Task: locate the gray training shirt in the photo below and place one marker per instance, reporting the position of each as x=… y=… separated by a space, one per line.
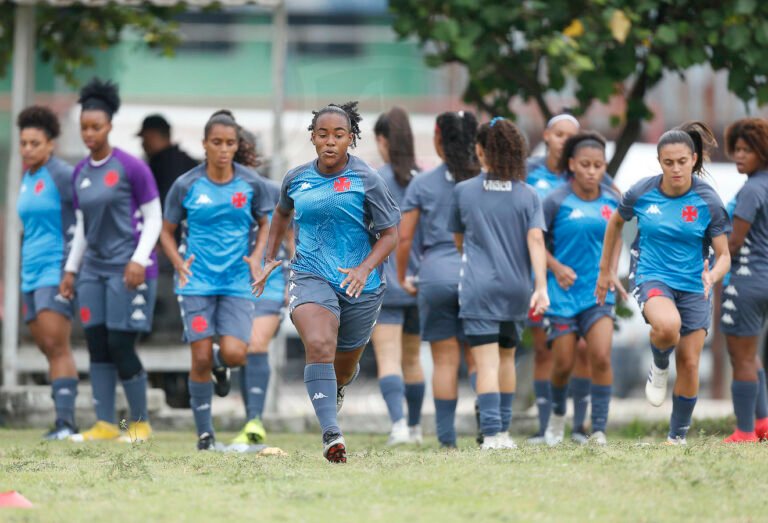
x=752 y=207
x=495 y=217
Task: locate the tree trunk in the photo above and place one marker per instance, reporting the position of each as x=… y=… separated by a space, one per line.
x=632 y=128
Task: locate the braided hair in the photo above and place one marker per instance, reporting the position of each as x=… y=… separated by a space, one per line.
x=39 y=117
x=349 y=111
x=98 y=95
x=458 y=132
x=697 y=136
x=505 y=149
x=395 y=127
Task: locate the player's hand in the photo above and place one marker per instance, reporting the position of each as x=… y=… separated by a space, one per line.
x=134 y=274
x=618 y=287
x=183 y=271
x=408 y=286
x=565 y=276
x=260 y=280
x=355 y=280
x=254 y=266
x=707 y=279
x=539 y=301
x=605 y=282
x=67 y=286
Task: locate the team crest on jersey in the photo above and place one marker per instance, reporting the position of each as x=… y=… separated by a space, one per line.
x=111 y=178
x=690 y=213
x=606 y=212
x=238 y=200
x=497 y=185
x=39 y=186
x=342 y=184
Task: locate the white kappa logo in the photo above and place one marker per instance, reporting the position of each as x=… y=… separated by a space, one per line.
x=203 y=199
x=653 y=209
x=576 y=214
x=85 y=183
x=304 y=186
x=727 y=319
x=318 y=396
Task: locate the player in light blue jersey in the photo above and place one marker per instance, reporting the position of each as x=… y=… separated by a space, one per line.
x=679 y=217
x=218 y=204
x=48 y=218
x=346 y=226
x=744 y=306
x=425 y=207
x=497 y=223
x=576 y=215
x=118 y=221
x=396 y=338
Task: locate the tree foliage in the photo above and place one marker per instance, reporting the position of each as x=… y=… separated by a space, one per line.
x=602 y=48
x=69 y=37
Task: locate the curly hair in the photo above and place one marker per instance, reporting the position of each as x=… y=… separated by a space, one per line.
x=505 y=149
x=39 y=117
x=100 y=96
x=395 y=127
x=349 y=110
x=697 y=136
x=247 y=151
x=754 y=131
x=576 y=142
x=458 y=133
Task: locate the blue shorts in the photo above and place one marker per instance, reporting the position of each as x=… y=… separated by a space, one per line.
x=695 y=310
x=744 y=307
x=580 y=324
x=481 y=332
x=45 y=298
x=356 y=316
x=536 y=322
x=262 y=307
x=208 y=316
x=439 y=311
x=105 y=300
x=407 y=316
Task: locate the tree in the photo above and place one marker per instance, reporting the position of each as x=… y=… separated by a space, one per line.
x=605 y=47
x=67 y=37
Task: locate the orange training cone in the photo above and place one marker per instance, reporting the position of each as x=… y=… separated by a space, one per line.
x=13 y=499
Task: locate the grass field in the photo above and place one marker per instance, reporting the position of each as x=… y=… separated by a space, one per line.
x=166 y=480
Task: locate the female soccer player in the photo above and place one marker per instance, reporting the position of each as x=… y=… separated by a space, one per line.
x=745 y=298
x=498 y=225
x=47 y=216
x=576 y=215
x=118 y=222
x=396 y=339
x=426 y=206
x=544 y=175
x=218 y=202
x=679 y=216
x=346 y=226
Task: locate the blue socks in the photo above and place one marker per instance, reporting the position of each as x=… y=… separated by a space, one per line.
x=682 y=413
x=414 y=397
x=761 y=408
x=64 y=393
x=543 y=391
x=507 y=398
x=601 y=399
x=661 y=357
x=559 y=397
x=490 y=416
x=136 y=393
x=393 y=391
x=103 y=383
x=445 y=419
x=201 y=397
x=256 y=380
x=320 y=381
x=744 y=395
x=579 y=388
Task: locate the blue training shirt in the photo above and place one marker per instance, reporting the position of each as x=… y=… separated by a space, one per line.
x=674 y=233
x=337 y=218
x=47 y=215
x=575 y=231
x=541 y=178
x=217 y=227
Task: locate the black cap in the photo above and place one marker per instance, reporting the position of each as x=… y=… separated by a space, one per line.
x=155 y=122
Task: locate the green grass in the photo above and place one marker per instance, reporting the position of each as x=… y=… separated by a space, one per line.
x=166 y=480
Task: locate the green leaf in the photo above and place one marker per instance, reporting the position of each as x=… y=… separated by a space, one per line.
x=745 y=7
x=762 y=94
x=464 y=49
x=666 y=35
x=736 y=38
x=446 y=30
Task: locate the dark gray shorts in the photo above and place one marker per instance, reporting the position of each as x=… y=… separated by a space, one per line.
x=208 y=316
x=45 y=298
x=105 y=300
x=580 y=324
x=408 y=317
x=356 y=316
x=439 y=311
x=744 y=307
x=481 y=332
x=262 y=307
x=695 y=310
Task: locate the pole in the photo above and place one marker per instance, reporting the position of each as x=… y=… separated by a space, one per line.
x=279 y=39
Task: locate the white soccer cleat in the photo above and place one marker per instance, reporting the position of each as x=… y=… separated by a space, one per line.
x=400 y=435
x=505 y=441
x=598 y=438
x=415 y=435
x=555 y=430
x=675 y=441
x=579 y=438
x=656 y=386
x=492 y=442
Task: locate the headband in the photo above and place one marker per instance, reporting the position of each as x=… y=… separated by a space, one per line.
x=561 y=117
x=495 y=120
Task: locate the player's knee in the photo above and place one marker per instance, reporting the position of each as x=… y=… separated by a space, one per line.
x=687 y=364
x=601 y=363
x=202 y=362
x=319 y=348
x=667 y=333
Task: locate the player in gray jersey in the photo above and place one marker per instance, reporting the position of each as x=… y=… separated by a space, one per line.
x=498 y=225
x=425 y=206
x=744 y=305
x=396 y=338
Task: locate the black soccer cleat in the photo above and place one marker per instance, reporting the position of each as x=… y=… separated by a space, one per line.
x=206 y=441
x=221 y=381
